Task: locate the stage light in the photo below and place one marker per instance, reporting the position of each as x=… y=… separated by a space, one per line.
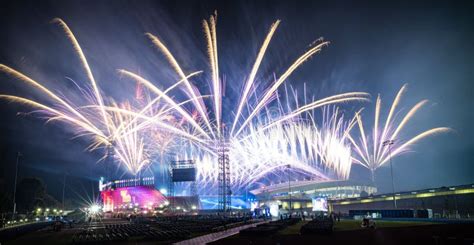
x=38 y=210
x=193 y=207
x=94 y=208
x=164 y=191
x=37 y=219
x=47 y=210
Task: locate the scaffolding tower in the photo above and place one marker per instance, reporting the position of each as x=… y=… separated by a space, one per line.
x=224 y=175
x=109 y=162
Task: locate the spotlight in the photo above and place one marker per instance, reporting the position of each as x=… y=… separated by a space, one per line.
x=94 y=208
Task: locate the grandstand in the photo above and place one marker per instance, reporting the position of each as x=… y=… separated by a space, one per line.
x=314 y=188
x=445 y=202
x=303 y=193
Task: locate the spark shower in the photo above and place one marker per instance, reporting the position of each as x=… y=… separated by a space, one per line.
x=267 y=132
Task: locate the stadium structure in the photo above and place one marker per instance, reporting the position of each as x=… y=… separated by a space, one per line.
x=307 y=195
x=314 y=188
x=452 y=202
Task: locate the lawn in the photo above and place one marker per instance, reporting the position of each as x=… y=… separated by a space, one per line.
x=345 y=225
x=292 y=229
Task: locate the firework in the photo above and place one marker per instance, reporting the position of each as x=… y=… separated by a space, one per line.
x=318 y=152
x=370 y=150
x=269 y=136
x=114 y=126
x=261 y=143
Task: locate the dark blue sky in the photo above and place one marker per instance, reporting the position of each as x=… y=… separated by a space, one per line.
x=375 y=47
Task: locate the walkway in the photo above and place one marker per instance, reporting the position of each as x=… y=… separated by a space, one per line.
x=218 y=235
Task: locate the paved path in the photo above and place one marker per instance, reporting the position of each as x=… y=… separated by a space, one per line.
x=218 y=235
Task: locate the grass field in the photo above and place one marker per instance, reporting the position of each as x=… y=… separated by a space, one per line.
x=349 y=231
x=292 y=229
x=346 y=225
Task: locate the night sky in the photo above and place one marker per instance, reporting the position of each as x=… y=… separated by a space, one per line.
x=375 y=47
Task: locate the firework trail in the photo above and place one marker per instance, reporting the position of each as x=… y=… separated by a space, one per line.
x=370 y=150
x=162 y=124
x=313 y=151
x=252 y=131
x=117 y=127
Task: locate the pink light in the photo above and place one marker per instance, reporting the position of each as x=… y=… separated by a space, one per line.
x=139 y=195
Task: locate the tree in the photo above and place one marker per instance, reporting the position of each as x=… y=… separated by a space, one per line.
x=31 y=194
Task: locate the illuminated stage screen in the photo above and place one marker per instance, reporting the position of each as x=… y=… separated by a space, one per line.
x=320 y=204
x=212 y=202
x=184 y=174
x=128 y=197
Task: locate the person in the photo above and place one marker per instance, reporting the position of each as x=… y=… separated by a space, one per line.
x=367 y=222
x=57 y=225
x=339 y=216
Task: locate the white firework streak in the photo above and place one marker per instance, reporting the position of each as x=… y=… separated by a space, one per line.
x=120 y=128
x=261 y=143
x=322 y=153
x=369 y=149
